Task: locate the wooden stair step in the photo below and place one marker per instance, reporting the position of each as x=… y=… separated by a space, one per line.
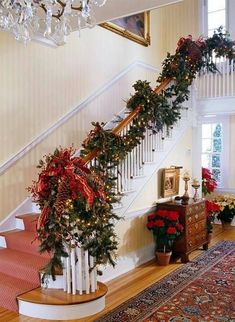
x=8 y=232
x=27 y=221
x=10 y=288
x=31 y=214
x=59 y=297
x=20 y=264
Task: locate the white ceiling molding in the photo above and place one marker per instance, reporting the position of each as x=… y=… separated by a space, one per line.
x=120 y=8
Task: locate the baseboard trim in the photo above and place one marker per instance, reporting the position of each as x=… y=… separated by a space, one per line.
x=127 y=263
x=9 y=222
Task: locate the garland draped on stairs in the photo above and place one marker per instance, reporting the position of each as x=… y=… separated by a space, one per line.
x=155 y=110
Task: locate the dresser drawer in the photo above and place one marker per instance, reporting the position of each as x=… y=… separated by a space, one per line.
x=195 y=227
x=196 y=240
x=194 y=214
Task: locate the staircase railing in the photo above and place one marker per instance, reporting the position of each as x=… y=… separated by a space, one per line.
x=132 y=165
x=221 y=84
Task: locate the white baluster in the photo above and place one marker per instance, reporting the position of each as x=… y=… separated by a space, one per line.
x=228 y=76
x=73 y=267
x=92 y=275
x=65 y=274
x=232 y=74
x=86 y=272
x=216 y=78
x=79 y=270
x=224 y=79
x=68 y=270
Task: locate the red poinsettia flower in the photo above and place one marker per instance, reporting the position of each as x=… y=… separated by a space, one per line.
x=151 y=216
x=162 y=213
x=179 y=227
x=173 y=215
x=150 y=224
x=171 y=230
x=159 y=223
x=211 y=207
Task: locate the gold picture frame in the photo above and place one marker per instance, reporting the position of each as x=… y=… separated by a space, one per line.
x=170 y=182
x=135 y=27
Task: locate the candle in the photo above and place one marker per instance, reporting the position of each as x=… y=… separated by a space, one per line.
x=186 y=175
x=196 y=182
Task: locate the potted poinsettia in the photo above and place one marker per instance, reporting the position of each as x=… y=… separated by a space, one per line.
x=226 y=204
x=165 y=227
x=209 y=184
x=212 y=210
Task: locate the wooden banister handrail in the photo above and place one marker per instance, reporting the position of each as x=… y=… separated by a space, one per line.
x=117 y=130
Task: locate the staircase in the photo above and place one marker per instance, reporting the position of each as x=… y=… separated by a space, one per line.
x=19 y=257
x=20 y=261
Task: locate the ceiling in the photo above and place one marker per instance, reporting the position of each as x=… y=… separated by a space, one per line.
x=119 y=8
x=114 y=9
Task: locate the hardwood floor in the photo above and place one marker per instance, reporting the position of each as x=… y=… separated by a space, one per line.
x=130 y=284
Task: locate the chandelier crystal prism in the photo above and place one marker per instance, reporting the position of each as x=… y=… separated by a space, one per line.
x=54 y=19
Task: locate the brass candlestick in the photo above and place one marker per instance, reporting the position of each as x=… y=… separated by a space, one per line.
x=185 y=197
x=196 y=186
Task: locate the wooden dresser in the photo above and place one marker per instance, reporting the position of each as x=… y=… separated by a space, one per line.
x=193 y=218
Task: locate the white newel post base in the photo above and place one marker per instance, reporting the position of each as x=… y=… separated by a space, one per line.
x=77 y=289
x=61 y=312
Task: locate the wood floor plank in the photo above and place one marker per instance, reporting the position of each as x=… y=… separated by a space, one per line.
x=129 y=284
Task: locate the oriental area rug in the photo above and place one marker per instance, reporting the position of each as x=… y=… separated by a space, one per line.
x=201 y=290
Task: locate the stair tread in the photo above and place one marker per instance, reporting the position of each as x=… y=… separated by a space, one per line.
x=14 y=282
x=23 y=240
x=31 y=260
x=32 y=214
x=8 y=232
x=59 y=297
x=11 y=287
x=29 y=220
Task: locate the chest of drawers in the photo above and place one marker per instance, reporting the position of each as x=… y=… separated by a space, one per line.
x=193 y=218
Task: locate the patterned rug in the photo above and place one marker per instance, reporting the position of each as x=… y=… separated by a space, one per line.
x=201 y=290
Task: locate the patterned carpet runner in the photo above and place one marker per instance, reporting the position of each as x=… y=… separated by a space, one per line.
x=201 y=290
x=20 y=263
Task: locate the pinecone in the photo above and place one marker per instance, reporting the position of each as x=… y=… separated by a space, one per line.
x=62 y=196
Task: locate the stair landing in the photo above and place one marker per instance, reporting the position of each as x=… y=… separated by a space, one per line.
x=53 y=304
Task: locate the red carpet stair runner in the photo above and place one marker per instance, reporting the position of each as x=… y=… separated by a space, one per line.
x=20 y=263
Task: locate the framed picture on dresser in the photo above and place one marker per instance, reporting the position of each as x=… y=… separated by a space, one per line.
x=170 y=182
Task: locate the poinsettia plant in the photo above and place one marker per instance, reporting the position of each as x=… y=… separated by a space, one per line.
x=226 y=204
x=212 y=210
x=166 y=228
x=75 y=207
x=209 y=184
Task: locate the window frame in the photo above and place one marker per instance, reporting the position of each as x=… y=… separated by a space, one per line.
x=203 y=16
x=224 y=120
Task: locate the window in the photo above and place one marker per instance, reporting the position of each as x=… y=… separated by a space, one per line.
x=212 y=148
x=214 y=151
x=215 y=15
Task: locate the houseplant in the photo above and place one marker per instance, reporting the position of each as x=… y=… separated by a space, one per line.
x=166 y=227
x=208 y=182
x=226 y=205
x=212 y=210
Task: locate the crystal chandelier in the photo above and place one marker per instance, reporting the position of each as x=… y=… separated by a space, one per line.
x=55 y=19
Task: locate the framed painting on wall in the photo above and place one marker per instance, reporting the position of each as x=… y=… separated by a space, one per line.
x=170 y=182
x=135 y=27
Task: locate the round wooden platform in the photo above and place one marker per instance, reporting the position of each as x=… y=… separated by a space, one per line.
x=54 y=304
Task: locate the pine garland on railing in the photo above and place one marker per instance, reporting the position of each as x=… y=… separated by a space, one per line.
x=152 y=109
